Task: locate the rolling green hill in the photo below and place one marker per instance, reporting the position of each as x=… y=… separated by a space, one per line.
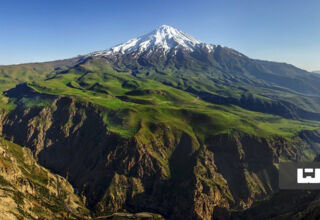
x=135 y=101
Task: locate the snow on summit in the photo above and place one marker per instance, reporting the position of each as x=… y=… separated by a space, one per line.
x=165 y=37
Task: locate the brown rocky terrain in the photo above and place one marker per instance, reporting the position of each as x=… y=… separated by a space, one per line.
x=198 y=181
x=29 y=191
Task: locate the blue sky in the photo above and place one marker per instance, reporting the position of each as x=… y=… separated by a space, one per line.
x=277 y=30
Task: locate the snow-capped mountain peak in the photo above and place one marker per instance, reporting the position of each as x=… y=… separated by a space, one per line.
x=165 y=38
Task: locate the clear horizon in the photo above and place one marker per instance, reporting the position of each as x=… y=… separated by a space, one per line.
x=40 y=31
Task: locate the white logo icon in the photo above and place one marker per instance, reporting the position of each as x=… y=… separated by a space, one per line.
x=312 y=175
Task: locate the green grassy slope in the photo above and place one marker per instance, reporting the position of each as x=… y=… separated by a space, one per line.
x=160 y=94
x=227 y=77
x=12 y=75
x=131 y=103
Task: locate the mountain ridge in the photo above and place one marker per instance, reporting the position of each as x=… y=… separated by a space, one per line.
x=222 y=66
x=164 y=38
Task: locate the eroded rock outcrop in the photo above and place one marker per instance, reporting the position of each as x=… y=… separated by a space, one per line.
x=29 y=191
x=168 y=172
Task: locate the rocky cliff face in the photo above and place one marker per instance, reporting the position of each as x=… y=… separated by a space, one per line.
x=287 y=204
x=168 y=172
x=29 y=191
